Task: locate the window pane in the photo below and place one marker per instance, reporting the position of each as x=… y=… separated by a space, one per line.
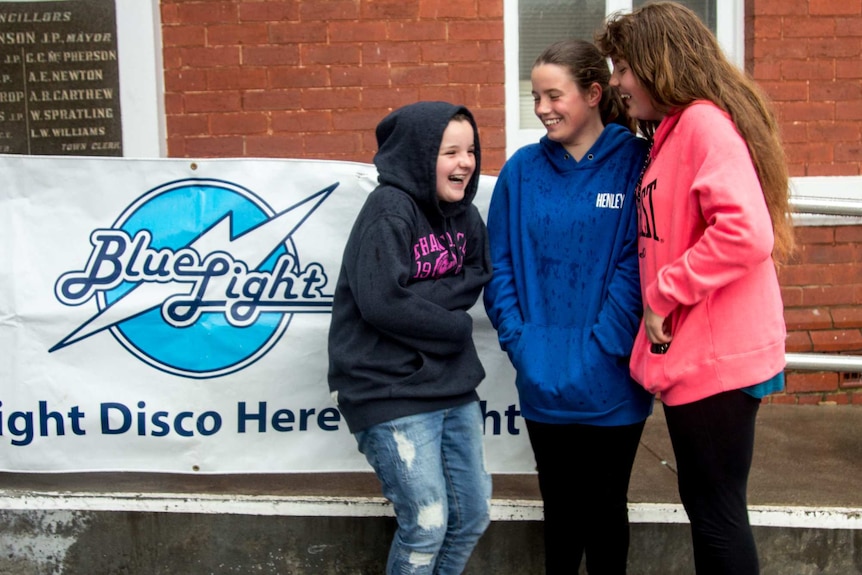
x=703 y=8
x=542 y=22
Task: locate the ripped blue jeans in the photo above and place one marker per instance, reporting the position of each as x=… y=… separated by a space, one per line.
x=431 y=467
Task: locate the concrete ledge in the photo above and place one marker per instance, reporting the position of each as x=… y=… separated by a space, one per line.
x=806 y=462
x=804 y=504
x=323 y=506
x=74 y=542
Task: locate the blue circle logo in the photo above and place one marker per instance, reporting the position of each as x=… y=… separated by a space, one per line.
x=198 y=278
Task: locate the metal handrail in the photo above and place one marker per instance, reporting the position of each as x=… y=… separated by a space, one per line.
x=826 y=206
x=823 y=361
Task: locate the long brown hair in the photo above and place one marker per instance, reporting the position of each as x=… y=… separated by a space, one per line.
x=586 y=65
x=678 y=60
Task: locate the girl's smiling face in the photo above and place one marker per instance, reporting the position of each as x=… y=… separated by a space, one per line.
x=569 y=114
x=639 y=104
x=456 y=161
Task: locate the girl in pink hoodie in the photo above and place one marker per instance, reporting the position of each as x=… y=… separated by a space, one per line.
x=713 y=202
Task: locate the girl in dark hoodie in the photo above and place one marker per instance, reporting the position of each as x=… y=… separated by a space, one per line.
x=403 y=368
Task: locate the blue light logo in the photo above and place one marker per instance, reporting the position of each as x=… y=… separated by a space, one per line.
x=198 y=277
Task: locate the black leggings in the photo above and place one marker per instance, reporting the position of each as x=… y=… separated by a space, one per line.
x=584 y=475
x=713 y=442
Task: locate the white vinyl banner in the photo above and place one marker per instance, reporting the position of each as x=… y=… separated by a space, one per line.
x=171 y=316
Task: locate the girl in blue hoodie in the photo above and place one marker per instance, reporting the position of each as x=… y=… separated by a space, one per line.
x=565 y=300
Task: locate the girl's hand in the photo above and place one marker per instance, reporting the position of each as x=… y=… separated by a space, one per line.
x=656 y=330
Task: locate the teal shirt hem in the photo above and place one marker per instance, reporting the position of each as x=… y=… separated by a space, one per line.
x=771 y=385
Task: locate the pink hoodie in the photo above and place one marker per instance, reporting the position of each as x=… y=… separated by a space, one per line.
x=705 y=245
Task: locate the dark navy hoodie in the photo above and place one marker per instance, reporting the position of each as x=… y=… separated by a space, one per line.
x=401 y=340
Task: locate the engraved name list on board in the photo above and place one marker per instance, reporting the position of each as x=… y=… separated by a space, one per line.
x=59 y=79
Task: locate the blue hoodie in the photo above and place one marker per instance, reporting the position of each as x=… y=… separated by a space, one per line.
x=400 y=339
x=565 y=295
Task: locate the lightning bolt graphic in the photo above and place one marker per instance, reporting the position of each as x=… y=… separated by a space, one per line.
x=253 y=246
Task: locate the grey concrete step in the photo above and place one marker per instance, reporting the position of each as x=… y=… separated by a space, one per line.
x=804 y=493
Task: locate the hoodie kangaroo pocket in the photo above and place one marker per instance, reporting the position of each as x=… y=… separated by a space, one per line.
x=647 y=368
x=547 y=360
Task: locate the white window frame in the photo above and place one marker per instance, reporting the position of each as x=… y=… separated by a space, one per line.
x=730 y=25
x=142 y=94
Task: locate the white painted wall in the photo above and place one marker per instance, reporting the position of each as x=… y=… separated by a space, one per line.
x=139 y=42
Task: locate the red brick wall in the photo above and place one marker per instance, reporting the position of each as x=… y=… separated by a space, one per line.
x=822 y=290
x=293 y=79
x=311 y=79
x=807 y=55
x=285 y=78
